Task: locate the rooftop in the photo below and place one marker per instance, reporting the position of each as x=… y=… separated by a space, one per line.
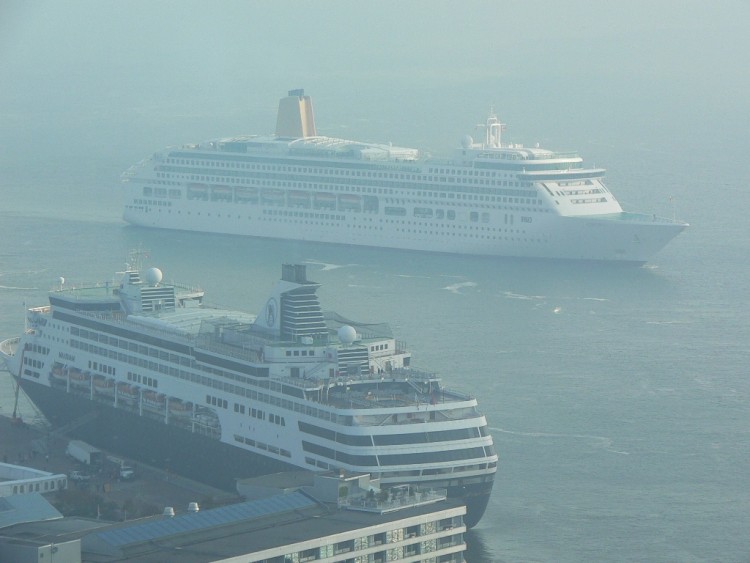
x=228 y=531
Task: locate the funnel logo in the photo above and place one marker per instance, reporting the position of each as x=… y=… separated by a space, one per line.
x=271 y=312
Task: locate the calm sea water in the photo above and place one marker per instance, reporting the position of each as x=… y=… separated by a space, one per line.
x=617 y=397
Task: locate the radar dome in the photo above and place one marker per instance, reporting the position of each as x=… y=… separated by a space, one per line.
x=153 y=276
x=347 y=334
x=467 y=141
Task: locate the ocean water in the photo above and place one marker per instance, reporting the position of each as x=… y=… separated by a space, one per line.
x=618 y=397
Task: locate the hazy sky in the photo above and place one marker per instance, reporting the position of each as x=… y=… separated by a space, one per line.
x=98 y=70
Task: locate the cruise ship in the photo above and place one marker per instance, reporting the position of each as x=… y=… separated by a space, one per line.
x=147 y=369
x=491 y=198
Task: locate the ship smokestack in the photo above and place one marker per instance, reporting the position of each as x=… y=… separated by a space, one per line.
x=295 y=118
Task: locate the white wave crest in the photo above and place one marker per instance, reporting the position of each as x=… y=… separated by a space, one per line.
x=602 y=442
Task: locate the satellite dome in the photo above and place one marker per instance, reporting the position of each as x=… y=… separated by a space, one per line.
x=347 y=334
x=153 y=276
x=467 y=141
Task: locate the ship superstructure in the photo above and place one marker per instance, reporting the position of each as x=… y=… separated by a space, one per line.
x=145 y=367
x=490 y=198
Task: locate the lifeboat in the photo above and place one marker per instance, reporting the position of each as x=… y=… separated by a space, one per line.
x=79 y=378
x=325 y=200
x=206 y=417
x=349 y=202
x=59 y=374
x=154 y=401
x=247 y=195
x=197 y=191
x=221 y=193
x=273 y=197
x=300 y=199
x=179 y=408
x=127 y=393
x=104 y=386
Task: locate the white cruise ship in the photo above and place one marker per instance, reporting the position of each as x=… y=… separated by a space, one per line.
x=145 y=369
x=491 y=198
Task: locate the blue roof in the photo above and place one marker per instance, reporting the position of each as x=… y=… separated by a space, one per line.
x=191 y=522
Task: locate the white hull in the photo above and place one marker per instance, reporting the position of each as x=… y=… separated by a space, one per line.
x=635 y=239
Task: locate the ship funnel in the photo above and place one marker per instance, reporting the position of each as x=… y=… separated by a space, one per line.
x=295 y=118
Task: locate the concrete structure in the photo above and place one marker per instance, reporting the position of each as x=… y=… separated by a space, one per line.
x=30 y=508
x=362 y=524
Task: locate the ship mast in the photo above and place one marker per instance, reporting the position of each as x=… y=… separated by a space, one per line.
x=493 y=131
x=136 y=258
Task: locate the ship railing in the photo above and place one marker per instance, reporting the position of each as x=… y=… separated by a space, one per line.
x=402 y=374
x=394 y=498
x=245 y=352
x=643 y=218
x=76 y=290
x=121 y=319
x=186 y=288
x=8 y=347
x=41 y=310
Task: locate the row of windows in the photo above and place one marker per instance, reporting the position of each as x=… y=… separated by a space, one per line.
x=418 y=212
x=589 y=191
x=276 y=419
x=152 y=202
x=37 y=349
x=262 y=446
x=49 y=485
x=245 y=163
x=300 y=352
x=143 y=380
x=102 y=368
x=394 y=439
x=411 y=458
x=129 y=345
x=217 y=402
x=302 y=199
x=393 y=553
x=508 y=219
x=590 y=200
x=388 y=538
x=343 y=457
x=375 y=183
x=32 y=362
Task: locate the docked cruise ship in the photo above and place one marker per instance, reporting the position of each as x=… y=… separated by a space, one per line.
x=491 y=198
x=147 y=369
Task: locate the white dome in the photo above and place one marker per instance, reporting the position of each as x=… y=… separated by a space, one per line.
x=467 y=141
x=153 y=276
x=347 y=334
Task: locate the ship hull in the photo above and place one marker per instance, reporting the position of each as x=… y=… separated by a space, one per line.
x=625 y=238
x=178 y=450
